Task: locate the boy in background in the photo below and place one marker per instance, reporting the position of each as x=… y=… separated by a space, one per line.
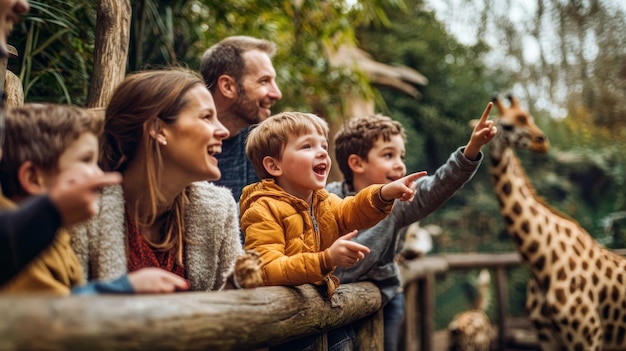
x=27 y=230
x=66 y=138
x=300 y=230
x=371 y=150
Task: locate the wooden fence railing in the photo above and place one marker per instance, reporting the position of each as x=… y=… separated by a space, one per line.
x=239 y=319
x=419 y=286
x=224 y=320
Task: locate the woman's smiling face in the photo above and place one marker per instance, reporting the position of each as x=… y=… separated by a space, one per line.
x=194 y=139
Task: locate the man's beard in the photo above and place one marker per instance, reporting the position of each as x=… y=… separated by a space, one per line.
x=245 y=108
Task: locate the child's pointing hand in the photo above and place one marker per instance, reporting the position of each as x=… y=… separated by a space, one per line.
x=402 y=189
x=346 y=253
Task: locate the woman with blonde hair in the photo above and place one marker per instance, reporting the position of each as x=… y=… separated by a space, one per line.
x=161 y=133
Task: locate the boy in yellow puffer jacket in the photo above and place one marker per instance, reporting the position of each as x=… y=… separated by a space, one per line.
x=301 y=231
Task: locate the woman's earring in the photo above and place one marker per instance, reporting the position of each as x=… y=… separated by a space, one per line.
x=163 y=142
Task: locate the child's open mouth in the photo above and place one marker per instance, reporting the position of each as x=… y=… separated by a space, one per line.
x=320 y=169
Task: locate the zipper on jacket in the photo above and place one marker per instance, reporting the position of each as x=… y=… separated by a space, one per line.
x=315 y=227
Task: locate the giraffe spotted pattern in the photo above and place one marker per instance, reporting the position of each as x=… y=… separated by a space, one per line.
x=576 y=296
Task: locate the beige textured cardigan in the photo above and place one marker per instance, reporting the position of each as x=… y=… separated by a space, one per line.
x=211 y=233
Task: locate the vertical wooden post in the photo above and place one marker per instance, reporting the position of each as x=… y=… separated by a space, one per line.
x=4 y=62
x=503 y=298
x=427 y=308
x=111 y=50
x=411 y=319
x=3 y=71
x=369 y=333
x=321 y=342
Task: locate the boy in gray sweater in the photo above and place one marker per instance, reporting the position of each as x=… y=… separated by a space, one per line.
x=371 y=150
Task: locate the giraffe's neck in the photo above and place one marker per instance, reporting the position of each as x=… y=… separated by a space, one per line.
x=542 y=235
x=483 y=299
x=529 y=222
x=515 y=194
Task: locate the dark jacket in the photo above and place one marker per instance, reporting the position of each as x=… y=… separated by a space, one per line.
x=24 y=233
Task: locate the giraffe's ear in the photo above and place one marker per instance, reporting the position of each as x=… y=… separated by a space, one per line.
x=472 y=123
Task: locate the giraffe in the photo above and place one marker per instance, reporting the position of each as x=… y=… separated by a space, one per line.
x=471 y=330
x=576 y=295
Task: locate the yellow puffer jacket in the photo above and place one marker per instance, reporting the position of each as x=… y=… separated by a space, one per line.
x=56 y=271
x=280 y=227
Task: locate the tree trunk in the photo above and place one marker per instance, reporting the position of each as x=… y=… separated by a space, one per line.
x=111 y=51
x=13 y=90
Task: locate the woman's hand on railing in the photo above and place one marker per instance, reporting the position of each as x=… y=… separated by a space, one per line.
x=154 y=280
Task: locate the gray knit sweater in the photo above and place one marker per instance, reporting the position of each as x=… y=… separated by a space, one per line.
x=387 y=237
x=211 y=233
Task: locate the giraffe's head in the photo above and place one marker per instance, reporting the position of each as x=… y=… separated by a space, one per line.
x=517 y=128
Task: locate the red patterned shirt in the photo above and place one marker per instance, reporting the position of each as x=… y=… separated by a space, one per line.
x=142 y=255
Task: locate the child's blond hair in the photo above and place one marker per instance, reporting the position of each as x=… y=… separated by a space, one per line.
x=40 y=133
x=270 y=137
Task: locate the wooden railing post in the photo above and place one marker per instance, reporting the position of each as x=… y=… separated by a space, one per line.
x=502 y=300
x=411 y=321
x=426 y=287
x=369 y=333
x=4 y=62
x=419 y=280
x=320 y=343
x=419 y=277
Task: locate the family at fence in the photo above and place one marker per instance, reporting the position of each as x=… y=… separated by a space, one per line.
x=189 y=182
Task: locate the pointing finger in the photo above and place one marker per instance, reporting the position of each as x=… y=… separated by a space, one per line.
x=413 y=177
x=356 y=247
x=485 y=115
x=350 y=235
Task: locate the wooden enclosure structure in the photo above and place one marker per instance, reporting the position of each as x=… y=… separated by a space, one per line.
x=224 y=320
x=419 y=285
x=12 y=85
x=240 y=319
x=419 y=278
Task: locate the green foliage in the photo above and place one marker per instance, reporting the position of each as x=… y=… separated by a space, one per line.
x=55 y=42
x=303 y=30
x=587 y=168
x=459 y=83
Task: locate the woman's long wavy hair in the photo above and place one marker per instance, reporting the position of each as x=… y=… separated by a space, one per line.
x=137 y=104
